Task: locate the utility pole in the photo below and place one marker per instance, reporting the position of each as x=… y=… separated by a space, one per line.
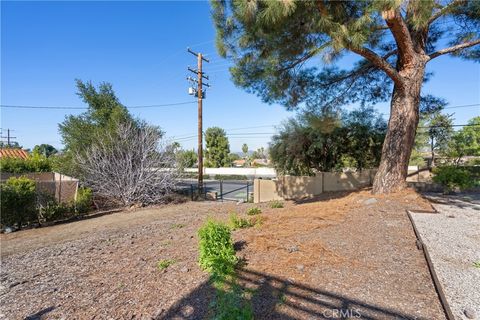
x=200 y=96
x=8 y=137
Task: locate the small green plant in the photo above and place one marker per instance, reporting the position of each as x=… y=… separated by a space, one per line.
x=177 y=226
x=167 y=243
x=476 y=264
x=275 y=204
x=83 y=204
x=282 y=298
x=253 y=211
x=451 y=177
x=231 y=303
x=164 y=264
x=237 y=222
x=217 y=255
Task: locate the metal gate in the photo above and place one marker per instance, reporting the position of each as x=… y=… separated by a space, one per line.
x=234 y=190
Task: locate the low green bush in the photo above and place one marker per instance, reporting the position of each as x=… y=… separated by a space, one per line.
x=253 y=211
x=22 y=204
x=84 y=201
x=452 y=177
x=48 y=209
x=18 y=202
x=237 y=222
x=276 y=204
x=217 y=255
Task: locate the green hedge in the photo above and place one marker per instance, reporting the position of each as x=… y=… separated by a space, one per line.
x=22 y=204
x=453 y=177
x=35 y=163
x=18 y=200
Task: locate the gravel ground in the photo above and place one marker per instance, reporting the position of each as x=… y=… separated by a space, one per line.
x=452 y=238
x=335 y=257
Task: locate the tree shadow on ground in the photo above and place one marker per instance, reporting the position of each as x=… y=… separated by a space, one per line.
x=461 y=200
x=39 y=315
x=272 y=297
x=330 y=195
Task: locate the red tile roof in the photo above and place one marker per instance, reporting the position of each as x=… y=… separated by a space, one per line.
x=13 y=153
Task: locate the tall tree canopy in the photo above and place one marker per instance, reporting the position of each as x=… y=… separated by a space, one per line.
x=218 y=148
x=273 y=45
x=310 y=143
x=45 y=149
x=104 y=114
x=465 y=142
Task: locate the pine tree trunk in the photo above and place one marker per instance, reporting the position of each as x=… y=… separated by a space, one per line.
x=399 y=141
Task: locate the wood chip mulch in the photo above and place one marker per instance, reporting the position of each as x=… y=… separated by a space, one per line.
x=340 y=256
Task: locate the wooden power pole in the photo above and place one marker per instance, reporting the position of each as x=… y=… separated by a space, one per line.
x=8 y=138
x=200 y=96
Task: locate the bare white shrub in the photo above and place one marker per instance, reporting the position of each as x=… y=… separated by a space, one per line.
x=131 y=165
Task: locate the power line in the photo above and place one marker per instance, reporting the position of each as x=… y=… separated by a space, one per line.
x=464 y=106
x=8 y=138
x=453 y=125
x=85 y=108
x=228 y=129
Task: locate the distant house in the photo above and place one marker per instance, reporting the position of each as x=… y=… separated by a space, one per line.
x=260 y=162
x=239 y=163
x=13 y=153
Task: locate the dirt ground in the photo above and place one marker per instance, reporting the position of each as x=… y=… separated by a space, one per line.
x=345 y=255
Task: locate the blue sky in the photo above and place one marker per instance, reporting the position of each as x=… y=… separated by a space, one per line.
x=140 y=47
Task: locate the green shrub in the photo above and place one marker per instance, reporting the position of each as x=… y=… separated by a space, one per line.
x=217 y=255
x=474 y=162
x=53 y=211
x=239 y=223
x=18 y=201
x=451 y=177
x=253 y=211
x=35 y=163
x=276 y=204
x=84 y=200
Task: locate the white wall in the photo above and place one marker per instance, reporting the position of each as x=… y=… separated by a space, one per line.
x=250 y=172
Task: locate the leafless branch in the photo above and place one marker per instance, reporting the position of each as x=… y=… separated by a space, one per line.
x=129 y=166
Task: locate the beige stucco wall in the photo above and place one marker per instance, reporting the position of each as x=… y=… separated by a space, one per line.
x=341 y=181
x=290 y=187
x=62 y=187
x=265 y=190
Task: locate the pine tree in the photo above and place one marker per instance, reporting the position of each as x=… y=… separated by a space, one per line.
x=273 y=45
